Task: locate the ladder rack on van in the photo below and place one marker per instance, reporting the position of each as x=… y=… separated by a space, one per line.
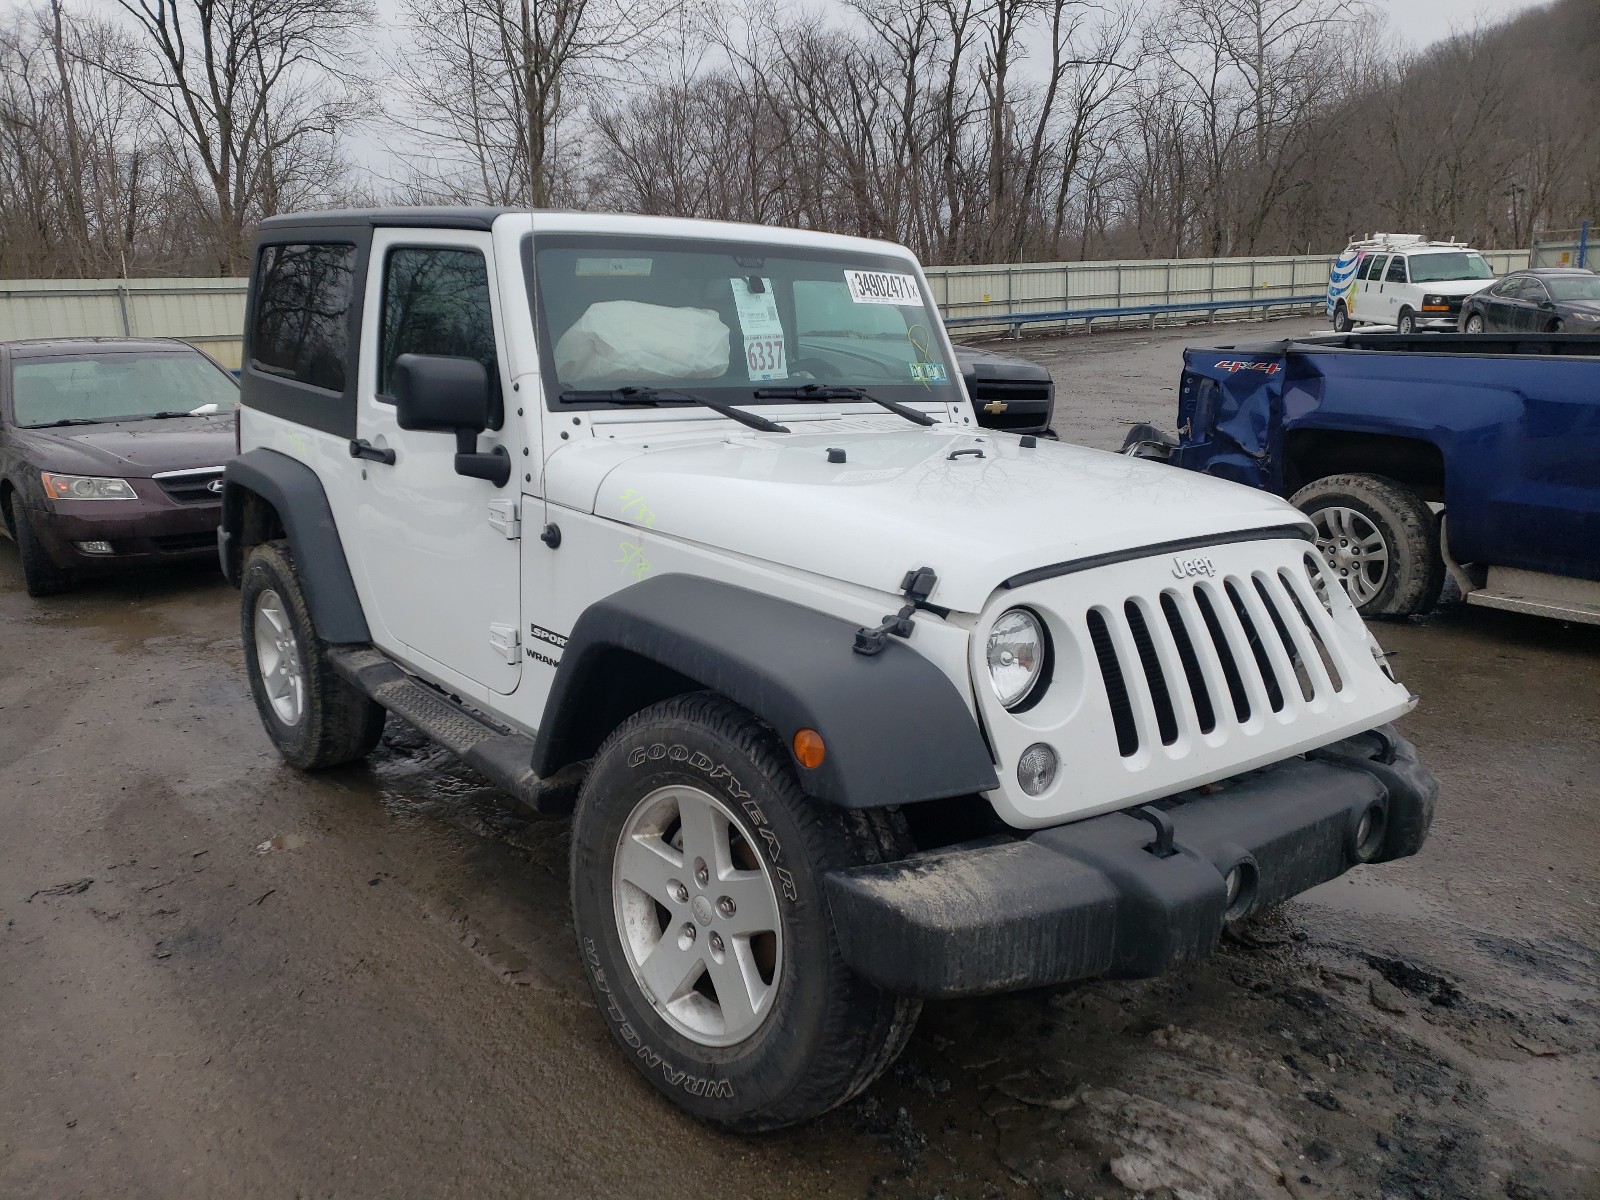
x=1401 y=241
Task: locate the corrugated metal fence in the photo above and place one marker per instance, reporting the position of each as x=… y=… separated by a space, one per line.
x=210 y=312
x=207 y=312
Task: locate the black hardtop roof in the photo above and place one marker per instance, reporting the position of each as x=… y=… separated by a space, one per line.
x=458 y=216
x=63 y=346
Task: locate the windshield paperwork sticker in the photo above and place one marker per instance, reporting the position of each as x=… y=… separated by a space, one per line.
x=590 y=267
x=927 y=372
x=764 y=350
x=880 y=287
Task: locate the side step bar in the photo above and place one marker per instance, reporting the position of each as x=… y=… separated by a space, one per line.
x=505 y=757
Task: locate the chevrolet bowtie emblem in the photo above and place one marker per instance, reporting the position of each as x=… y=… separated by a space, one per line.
x=996 y=407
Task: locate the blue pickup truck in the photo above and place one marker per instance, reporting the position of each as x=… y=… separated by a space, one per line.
x=1416 y=457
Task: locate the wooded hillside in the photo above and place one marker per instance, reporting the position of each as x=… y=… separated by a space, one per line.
x=149 y=136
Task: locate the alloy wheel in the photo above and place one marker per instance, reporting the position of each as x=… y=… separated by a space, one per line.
x=697 y=913
x=278 y=659
x=1355 y=551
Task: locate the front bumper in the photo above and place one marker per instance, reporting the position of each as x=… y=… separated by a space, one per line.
x=140 y=532
x=1092 y=898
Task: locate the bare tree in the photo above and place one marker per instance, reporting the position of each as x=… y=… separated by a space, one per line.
x=488 y=84
x=252 y=96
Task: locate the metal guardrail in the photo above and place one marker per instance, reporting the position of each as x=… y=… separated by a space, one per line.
x=1002 y=297
x=1015 y=321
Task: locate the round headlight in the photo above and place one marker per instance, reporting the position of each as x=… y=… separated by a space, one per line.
x=1016 y=655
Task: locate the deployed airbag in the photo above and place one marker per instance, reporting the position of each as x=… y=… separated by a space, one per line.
x=625 y=340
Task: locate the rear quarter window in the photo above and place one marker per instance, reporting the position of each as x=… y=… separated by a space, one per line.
x=301 y=327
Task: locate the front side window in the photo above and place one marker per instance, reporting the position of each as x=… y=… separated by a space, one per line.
x=726 y=319
x=1447 y=267
x=1575 y=287
x=435 y=301
x=302 y=307
x=118 y=387
x=1397 y=270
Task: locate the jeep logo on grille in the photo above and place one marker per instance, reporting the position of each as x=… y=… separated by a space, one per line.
x=1187 y=568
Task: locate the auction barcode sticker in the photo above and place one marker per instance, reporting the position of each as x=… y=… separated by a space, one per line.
x=880 y=287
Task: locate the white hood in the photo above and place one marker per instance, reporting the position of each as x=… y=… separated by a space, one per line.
x=1454 y=287
x=899 y=501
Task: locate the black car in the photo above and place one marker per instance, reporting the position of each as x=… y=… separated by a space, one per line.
x=1009 y=393
x=1539 y=300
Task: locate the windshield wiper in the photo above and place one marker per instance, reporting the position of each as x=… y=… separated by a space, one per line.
x=66 y=421
x=650 y=395
x=823 y=391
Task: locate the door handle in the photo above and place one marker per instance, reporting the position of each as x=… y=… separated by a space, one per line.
x=361 y=448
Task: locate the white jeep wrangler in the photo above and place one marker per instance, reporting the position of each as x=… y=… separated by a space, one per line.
x=686 y=529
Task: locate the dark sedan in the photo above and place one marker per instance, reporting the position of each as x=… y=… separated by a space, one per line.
x=111 y=454
x=1540 y=300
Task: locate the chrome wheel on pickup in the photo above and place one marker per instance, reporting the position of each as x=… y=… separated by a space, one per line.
x=1355 y=550
x=1380 y=539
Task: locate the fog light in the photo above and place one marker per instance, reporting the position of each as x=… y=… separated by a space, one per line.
x=1369 y=834
x=95 y=547
x=1234 y=882
x=1036 y=769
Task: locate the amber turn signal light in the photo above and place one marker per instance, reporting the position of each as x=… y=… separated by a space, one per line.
x=808 y=748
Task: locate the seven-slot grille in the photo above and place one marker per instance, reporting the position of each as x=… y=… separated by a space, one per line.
x=191 y=487
x=1224 y=651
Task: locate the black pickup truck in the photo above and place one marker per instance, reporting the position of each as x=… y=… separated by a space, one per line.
x=1009 y=393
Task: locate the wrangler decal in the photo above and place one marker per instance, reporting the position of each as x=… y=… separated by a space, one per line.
x=716 y=1089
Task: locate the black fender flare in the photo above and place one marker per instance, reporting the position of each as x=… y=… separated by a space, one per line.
x=293 y=489
x=896 y=729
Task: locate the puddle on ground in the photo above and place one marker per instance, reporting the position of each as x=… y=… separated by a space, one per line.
x=1360 y=892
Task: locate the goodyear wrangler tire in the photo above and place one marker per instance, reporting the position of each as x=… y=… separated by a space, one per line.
x=313 y=716
x=697 y=897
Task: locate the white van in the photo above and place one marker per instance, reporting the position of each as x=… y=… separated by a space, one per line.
x=1404 y=280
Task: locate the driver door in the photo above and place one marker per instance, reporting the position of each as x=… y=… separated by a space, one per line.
x=1394 y=286
x=439 y=550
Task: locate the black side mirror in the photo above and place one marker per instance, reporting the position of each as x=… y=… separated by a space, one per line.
x=431 y=391
x=450 y=395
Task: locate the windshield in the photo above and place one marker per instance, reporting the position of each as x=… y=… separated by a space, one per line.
x=111 y=387
x=724 y=319
x=1441 y=268
x=1573 y=287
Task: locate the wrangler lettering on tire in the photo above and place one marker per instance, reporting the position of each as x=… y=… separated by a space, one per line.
x=718 y=968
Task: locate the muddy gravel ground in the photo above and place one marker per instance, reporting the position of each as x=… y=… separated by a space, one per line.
x=219 y=977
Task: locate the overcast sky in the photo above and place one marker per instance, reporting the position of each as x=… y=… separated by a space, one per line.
x=1422 y=21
